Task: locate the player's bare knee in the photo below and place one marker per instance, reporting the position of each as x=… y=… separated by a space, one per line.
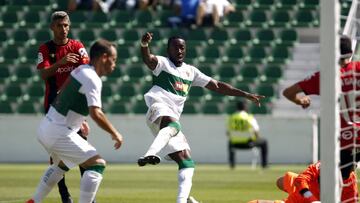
x=280 y=183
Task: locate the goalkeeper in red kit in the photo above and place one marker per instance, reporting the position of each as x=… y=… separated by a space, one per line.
x=305 y=187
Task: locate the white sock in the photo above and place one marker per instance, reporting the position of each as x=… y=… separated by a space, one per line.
x=161 y=140
x=50 y=178
x=185 y=182
x=89 y=185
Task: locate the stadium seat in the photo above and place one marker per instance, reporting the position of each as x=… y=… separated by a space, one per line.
x=207 y=70
x=130 y=36
x=288 y=37
x=4 y=74
x=145 y=87
x=242 y=86
x=264 y=4
x=98 y=20
x=27 y=107
x=191 y=53
x=43 y=35
x=41 y=2
x=257 y=54
x=280 y=18
x=110 y=35
x=107 y=92
x=123 y=54
x=242 y=37
x=6 y=107
x=304 y=18
x=87 y=35
x=287 y=4
x=196 y=93
x=211 y=54
x=309 y=4
x=78 y=18
x=257 y=18
x=265 y=37
x=227 y=73
x=20 y=36
x=123 y=19
x=218 y=36
x=13 y=92
x=36 y=92
x=3 y=36
x=190 y=108
x=197 y=35
x=24 y=72
x=31 y=54
x=136 y=72
x=143 y=19
x=249 y=73
x=273 y=73
x=280 y=55
x=267 y=90
x=211 y=108
x=119 y=108
x=139 y=108
x=9 y=19
x=162 y=18
x=243 y=4
x=234 y=19
x=30 y=20
x=11 y=54
x=127 y=91
x=233 y=55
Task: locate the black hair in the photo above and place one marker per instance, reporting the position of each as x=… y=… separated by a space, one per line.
x=241 y=105
x=345 y=47
x=100 y=47
x=173 y=38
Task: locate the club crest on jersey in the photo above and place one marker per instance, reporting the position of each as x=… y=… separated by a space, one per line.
x=179 y=86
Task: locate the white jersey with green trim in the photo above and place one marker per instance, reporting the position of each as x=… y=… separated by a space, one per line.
x=81 y=90
x=172 y=84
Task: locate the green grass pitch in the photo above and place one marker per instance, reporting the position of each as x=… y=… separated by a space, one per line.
x=127 y=183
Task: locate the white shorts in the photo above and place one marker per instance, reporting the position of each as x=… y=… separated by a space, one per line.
x=64 y=144
x=176 y=143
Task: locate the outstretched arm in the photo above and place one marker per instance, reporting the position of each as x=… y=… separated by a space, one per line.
x=227 y=89
x=101 y=120
x=149 y=59
x=292 y=93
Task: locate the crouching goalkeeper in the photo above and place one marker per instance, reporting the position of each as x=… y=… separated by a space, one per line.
x=305 y=187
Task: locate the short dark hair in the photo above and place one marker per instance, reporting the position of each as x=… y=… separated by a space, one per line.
x=240 y=105
x=59 y=15
x=345 y=47
x=173 y=38
x=100 y=47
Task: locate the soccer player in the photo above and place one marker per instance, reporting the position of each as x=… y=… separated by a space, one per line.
x=172 y=79
x=305 y=187
x=243 y=133
x=79 y=97
x=56 y=59
x=349 y=71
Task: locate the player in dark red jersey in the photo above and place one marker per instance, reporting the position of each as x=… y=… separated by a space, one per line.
x=350 y=76
x=56 y=59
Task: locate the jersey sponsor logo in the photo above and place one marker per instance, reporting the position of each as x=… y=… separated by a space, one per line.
x=65 y=69
x=40 y=58
x=179 y=86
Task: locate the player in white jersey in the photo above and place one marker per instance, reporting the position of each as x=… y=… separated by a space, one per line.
x=80 y=96
x=172 y=80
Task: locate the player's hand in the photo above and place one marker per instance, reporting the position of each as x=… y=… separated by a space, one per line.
x=118 y=140
x=255 y=98
x=70 y=58
x=304 y=102
x=85 y=129
x=146 y=38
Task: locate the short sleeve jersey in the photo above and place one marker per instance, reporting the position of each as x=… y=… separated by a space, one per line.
x=242 y=124
x=172 y=84
x=350 y=85
x=54 y=83
x=310 y=179
x=81 y=90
